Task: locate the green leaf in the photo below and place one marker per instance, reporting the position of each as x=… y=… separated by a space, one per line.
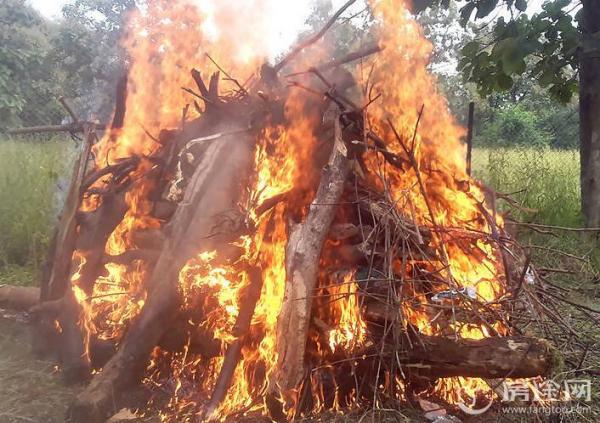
x=463 y=63
x=554 y=8
x=546 y=78
x=562 y=92
x=470 y=49
x=504 y=82
x=517 y=66
x=465 y=13
x=551 y=34
x=521 y=5
x=579 y=17
x=564 y=24
x=485 y=7
x=511 y=55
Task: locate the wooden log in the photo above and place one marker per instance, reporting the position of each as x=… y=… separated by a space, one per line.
x=54 y=287
x=164 y=210
x=470 y=124
x=240 y=331
x=183 y=334
x=350 y=57
x=73 y=341
x=434 y=357
x=120 y=168
x=55 y=277
x=343 y=231
x=20 y=298
x=305 y=244
x=129 y=256
x=151 y=239
x=94 y=230
x=120 y=102
x=215 y=188
x=63 y=101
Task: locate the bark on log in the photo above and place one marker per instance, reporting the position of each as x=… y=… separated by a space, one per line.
x=498 y=357
x=58 y=260
x=304 y=248
x=20 y=298
x=120 y=102
x=94 y=231
x=589 y=112
x=214 y=189
x=54 y=287
x=240 y=332
x=71 y=127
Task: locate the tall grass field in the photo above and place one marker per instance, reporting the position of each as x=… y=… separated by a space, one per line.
x=541 y=179
x=34 y=176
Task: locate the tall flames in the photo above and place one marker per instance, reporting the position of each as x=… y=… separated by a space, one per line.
x=167 y=39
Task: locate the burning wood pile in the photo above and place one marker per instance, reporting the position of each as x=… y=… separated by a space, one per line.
x=283 y=241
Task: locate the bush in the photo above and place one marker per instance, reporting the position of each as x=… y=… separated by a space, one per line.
x=513 y=125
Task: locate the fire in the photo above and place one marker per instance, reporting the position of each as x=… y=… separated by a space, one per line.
x=159 y=63
x=410 y=96
x=350 y=330
x=212 y=287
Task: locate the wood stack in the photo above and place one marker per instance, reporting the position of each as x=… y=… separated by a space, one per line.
x=197 y=176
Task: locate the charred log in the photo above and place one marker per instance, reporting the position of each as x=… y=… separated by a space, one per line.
x=240 y=331
x=213 y=190
x=56 y=272
x=305 y=244
x=432 y=357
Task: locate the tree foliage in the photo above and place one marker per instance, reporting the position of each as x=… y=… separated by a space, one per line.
x=523 y=114
x=26 y=83
x=78 y=57
x=542 y=45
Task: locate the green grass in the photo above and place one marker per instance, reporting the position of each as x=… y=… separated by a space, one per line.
x=542 y=179
x=30 y=171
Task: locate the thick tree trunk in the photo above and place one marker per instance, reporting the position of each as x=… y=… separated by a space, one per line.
x=213 y=190
x=589 y=112
x=304 y=248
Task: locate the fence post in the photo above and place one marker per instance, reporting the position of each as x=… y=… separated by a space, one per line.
x=470 y=136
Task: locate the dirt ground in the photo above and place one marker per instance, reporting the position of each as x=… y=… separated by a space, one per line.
x=30 y=390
